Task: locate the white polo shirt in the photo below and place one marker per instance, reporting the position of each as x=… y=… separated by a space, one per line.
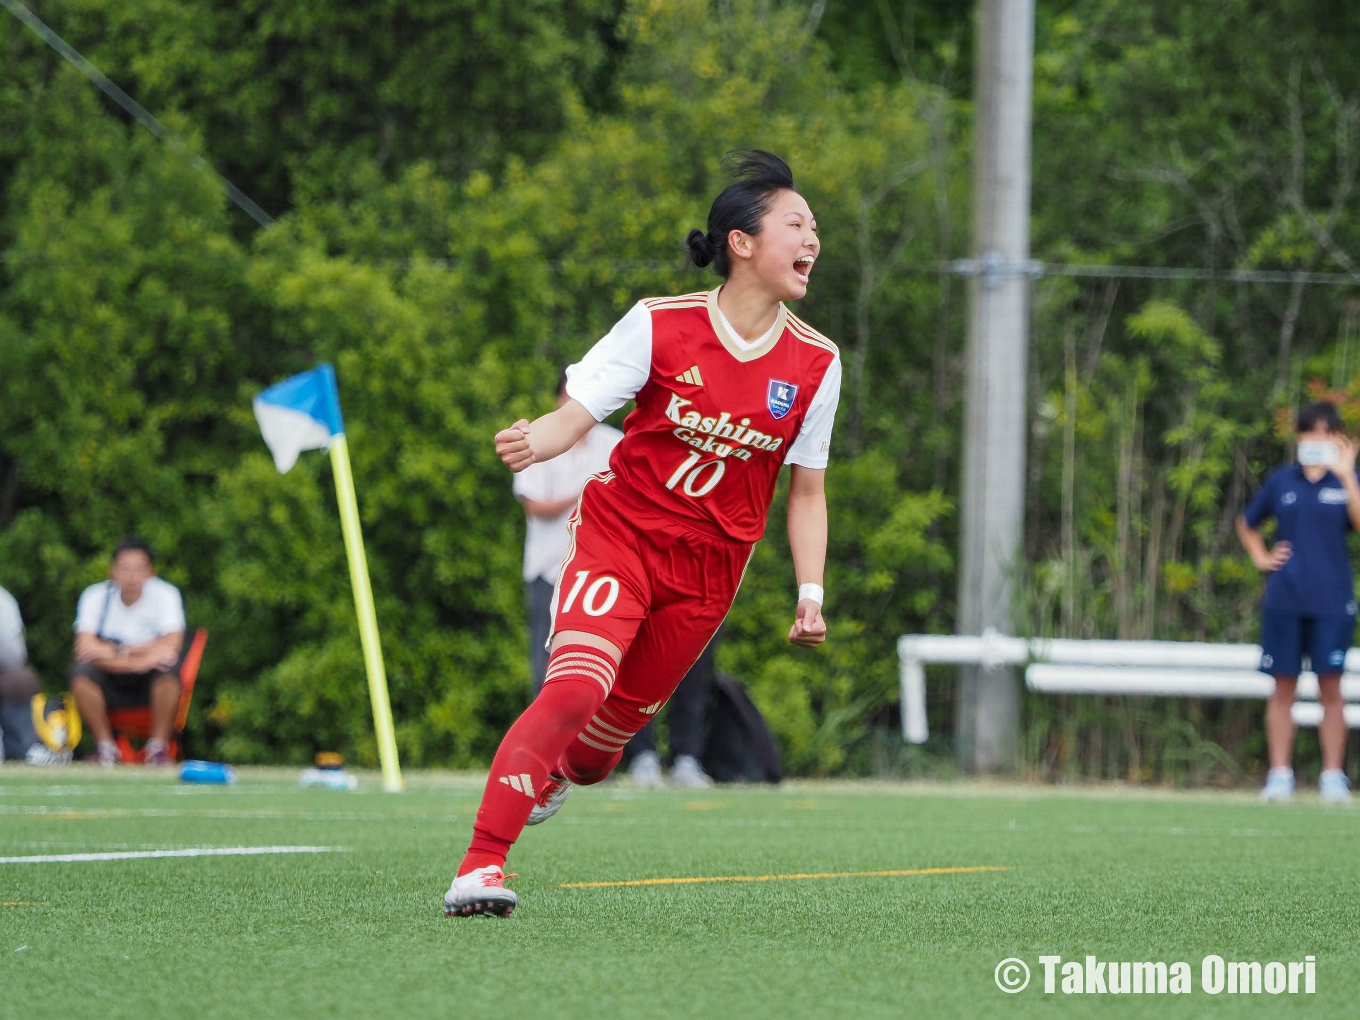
x=546 y=538
x=102 y=612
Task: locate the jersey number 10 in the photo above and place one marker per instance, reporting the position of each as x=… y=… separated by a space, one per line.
x=692 y=472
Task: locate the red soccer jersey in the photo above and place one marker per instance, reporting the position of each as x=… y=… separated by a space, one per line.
x=716 y=416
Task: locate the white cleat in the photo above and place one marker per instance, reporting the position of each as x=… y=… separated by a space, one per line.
x=1334 y=787
x=644 y=771
x=41 y=754
x=549 y=800
x=686 y=772
x=1279 y=784
x=481 y=891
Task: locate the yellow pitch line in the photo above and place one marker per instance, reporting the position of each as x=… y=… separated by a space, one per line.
x=782 y=878
x=23 y=903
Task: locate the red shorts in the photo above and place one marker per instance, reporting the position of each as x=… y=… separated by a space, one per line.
x=654 y=587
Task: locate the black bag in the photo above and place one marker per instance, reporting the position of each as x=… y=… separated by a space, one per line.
x=740 y=747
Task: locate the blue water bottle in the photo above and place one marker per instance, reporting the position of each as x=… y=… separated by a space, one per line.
x=212 y=772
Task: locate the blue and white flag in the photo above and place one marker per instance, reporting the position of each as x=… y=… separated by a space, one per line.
x=301 y=413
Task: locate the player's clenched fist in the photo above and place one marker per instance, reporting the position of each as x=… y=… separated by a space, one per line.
x=808 y=628
x=512 y=446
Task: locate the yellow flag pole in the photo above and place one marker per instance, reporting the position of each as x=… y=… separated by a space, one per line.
x=368 y=618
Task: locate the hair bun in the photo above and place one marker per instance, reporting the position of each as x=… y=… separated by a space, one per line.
x=700 y=248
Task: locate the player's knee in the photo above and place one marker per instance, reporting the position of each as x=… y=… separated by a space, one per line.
x=567 y=703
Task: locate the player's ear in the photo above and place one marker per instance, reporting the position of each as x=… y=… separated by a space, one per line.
x=739 y=242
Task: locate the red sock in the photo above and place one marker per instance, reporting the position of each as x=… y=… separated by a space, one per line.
x=578 y=679
x=597 y=748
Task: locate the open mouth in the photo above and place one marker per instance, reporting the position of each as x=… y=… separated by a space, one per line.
x=802 y=267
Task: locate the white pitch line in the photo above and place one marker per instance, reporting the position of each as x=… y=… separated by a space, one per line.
x=202 y=851
x=97 y=813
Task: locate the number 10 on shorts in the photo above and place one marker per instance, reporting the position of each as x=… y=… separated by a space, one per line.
x=591 y=602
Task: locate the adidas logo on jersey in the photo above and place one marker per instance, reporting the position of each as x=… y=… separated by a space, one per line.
x=691 y=375
x=653 y=709
x=522 y=783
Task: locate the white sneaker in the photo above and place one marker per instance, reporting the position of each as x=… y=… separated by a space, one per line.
x=550 y=799
x=645 y=771
x=1279 y=784
x=481 y=891
x=41 y=754
x=1334 y=786
x=687 y=772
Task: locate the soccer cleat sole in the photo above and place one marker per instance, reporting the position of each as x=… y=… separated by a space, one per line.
x=485 y=906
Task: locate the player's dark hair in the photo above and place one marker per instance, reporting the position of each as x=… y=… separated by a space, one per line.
x=1321 y=413
x=741 y=206
x=132 y=545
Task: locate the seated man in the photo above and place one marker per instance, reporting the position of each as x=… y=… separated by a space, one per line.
x=129 y=631
x=18 y=684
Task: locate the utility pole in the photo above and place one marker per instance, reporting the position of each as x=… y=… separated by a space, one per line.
x=987 y=717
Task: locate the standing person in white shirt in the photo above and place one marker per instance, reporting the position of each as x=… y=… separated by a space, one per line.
x=549 y=491
x=129 y=631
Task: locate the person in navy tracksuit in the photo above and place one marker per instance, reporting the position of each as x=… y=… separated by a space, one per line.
x=1309 y=608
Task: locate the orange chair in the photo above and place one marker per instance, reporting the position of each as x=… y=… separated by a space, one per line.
x=135 y=723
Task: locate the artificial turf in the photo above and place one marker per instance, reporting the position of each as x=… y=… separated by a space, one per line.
x=1121 y=874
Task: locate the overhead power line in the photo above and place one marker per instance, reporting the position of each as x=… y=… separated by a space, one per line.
x=73 y=57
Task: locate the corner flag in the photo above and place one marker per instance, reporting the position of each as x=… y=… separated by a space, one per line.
x=303 y=413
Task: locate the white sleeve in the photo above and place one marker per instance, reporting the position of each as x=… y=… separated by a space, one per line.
x=90 y=607
x=171 y=611
x=617 y=366
x=813 y=446
x=13 y=652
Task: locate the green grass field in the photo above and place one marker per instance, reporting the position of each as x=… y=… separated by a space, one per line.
x=1124 y=875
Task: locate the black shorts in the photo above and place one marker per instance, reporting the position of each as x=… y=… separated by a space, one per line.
x=122 y=690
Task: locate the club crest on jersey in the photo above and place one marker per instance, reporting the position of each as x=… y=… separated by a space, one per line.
x=779 y=397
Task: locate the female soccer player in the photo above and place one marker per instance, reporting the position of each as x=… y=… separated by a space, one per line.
x=729 y=385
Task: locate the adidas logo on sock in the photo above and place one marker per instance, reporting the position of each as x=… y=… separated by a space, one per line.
x=691 y=375
x=522 y=783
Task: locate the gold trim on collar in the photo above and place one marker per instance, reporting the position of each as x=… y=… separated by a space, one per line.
x=715 y=319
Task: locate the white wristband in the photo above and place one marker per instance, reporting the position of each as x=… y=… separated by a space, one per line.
x=811 y=591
